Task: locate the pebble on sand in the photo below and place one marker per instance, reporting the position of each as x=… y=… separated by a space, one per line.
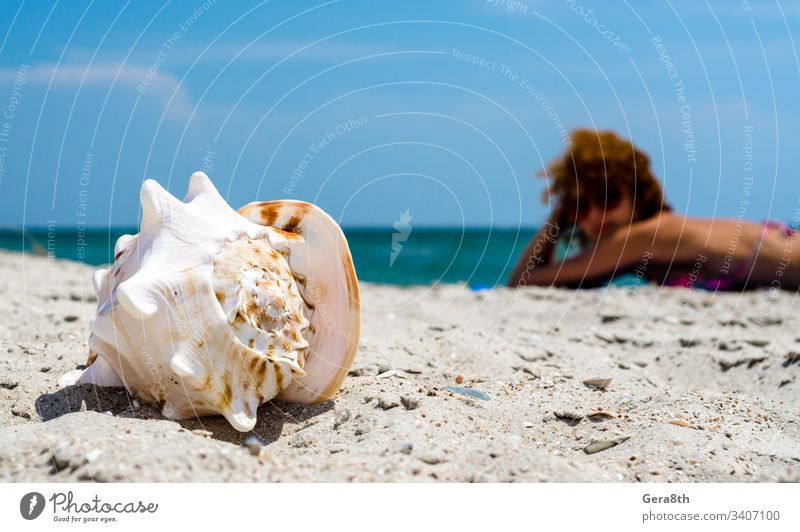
x=409 y=402
x=93 y=455
x=20 y=413
x=597 y=383
x=342 y=417
x=469 y=392
x=387 y=402
x=254 y=445
x=432 y=457
x=679 y=422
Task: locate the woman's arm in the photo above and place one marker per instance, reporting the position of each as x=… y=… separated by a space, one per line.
x=623 y=250
x=540 y=250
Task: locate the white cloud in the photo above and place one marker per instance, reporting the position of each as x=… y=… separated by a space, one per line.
x=162 y=86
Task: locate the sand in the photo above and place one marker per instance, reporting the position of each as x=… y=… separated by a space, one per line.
x=703 y=388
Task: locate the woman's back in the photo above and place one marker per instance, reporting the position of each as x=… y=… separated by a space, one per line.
x=727 y=251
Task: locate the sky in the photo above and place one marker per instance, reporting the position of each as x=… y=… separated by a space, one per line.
x=444 y=110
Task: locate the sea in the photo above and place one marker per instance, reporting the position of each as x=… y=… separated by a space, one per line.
x=479 y=257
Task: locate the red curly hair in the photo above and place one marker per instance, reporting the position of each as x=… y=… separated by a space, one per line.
x=599 y=168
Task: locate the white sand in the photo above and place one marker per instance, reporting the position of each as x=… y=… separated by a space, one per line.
x=718 y=364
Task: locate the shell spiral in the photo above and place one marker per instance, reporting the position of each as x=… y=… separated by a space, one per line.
x=209 y=310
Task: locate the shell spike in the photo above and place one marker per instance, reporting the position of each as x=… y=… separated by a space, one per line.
x=122 y=244
x=187 y=365
x=297 y=370
x=98 y=279
x=99 y=373
x=200 y=184
x=241 y=414
x=156 y=203
x=136 y=300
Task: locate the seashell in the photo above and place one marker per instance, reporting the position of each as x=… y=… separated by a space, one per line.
x=679 y=422
x=600 y=413
x=597 y=384
x=596 y=446
x=210 y=310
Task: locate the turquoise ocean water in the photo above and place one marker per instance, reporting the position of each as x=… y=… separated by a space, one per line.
x=479 y=257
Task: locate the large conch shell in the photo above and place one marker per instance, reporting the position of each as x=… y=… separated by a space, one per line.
x=209 y=310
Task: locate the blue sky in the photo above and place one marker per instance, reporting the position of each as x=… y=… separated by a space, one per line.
x=444 y=109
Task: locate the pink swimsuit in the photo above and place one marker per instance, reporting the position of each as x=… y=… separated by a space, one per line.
x=738 y=276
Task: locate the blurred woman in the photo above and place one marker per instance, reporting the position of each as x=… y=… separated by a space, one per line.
x=609 y=203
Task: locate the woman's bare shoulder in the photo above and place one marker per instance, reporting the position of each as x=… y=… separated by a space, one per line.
x=665 y=225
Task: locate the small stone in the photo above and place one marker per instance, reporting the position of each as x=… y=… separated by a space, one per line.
x=527 y=424
x=59 y=462
x=597 y=383
x=17 y=411
x=204 y=433
x=362 y=428
x=689 y=342
x=600 y=414
x=623 y=365
x=758 y=342
x=254 y=445
x=93 y=455
x=44 y=369
x=409 y=402
x=459 y=379
x=342 y=417
x=469 y=392
x=406 y=448
x=622 y=399
x=679 y=422
x=8 y=384
x=604 y=336
x=730 y=345
x=389 y=373
x=70 y=318
x=387 y=402
x=432 y=458
x=568 y=415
